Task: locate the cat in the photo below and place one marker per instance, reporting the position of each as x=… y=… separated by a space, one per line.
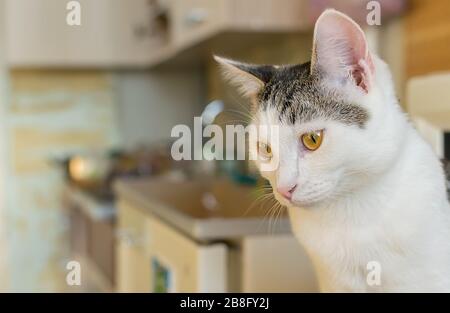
x=360 y=185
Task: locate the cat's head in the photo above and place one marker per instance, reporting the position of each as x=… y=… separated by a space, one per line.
x=332 y=115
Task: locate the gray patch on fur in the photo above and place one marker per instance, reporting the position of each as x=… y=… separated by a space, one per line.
x=298 y=97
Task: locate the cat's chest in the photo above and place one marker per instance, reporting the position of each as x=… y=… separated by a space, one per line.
x=344 y=256
x=340 y=242
x=352 y=242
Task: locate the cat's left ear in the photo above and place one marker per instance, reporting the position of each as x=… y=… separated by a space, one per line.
x=340 y=50
x=249 y=78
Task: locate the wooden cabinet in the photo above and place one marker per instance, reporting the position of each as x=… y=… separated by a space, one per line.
x=194 y=20
x=154 y=257
x=112 y=33
x=102 y=248
x=132 y=261
x=180 y=264
x=276 y=263
x=79 y=231
x=138 y=33
x=92 y=238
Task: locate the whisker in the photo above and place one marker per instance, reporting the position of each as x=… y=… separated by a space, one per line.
x=262 y=198
x=280 y=213
x=266 y=214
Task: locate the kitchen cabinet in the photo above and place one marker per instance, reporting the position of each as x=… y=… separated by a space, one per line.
x=153 y=257
x=102 y=246
x=179 y=264
x=197 y=19
x=197 y=28
x=275 y=264
x=147 y=33
x=193 y=20
x=92 y=236
x=112 y=33
x=133 y=268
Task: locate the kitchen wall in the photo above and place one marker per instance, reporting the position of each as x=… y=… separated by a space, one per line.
x=54 y=113
x=50 y=114
x=150 y=103
x=4 y=272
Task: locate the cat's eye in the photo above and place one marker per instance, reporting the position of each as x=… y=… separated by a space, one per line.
x=264 y=151
x=312 y=140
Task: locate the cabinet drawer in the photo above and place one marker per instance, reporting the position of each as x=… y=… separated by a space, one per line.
x=194 y=20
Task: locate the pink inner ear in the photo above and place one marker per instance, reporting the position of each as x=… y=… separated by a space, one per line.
x=360 y=74
x=340 y=48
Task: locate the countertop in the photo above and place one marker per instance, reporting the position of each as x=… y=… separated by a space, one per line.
x=96 y=209
x=205 y=211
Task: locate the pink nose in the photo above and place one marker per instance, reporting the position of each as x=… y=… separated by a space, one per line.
x=286 y=191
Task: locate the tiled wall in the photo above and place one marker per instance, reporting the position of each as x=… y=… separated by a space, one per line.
x=50 y=114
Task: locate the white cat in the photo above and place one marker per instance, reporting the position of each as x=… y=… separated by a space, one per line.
x=360 y=184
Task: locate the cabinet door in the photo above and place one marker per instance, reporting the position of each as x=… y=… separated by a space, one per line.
x=101 y=246
x=276 y=264
x=133 y=270
x=179 y=264
x=79 y=231
x=111 y=33
x=132 y=261
x=195 y=20
x=154 y=257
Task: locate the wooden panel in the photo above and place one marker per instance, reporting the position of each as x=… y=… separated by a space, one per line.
x=133 y=269
x=276 y=264
x=110 y=33
x=102 y=246
x=133 y=263
x=176 y=253
x=428 y=37
x=194 y=20
x=269 y=15
x=144 y=240
x=192 y=267
x=79 y=232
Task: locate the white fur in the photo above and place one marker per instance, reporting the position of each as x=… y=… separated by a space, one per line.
x=372 y=194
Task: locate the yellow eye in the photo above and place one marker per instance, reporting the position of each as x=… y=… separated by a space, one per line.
x=312 y=140
x=264 y=151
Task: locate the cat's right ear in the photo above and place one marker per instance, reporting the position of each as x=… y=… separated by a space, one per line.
x=249 y=78
x=340 y=50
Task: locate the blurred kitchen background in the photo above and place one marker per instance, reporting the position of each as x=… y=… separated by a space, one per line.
x=86 y=117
